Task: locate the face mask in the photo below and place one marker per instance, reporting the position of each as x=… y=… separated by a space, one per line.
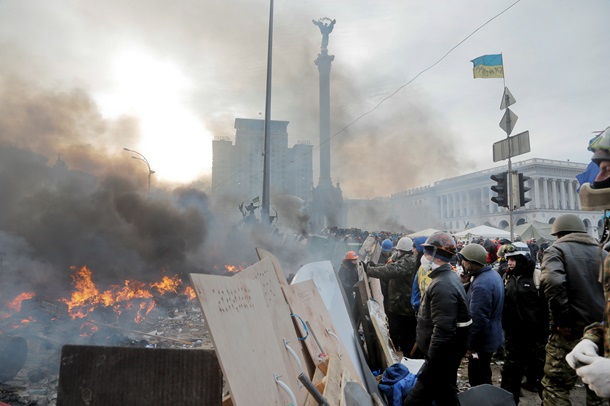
x=429 y=266
x=433 y=266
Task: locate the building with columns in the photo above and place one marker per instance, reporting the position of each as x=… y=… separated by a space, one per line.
x=465 y=201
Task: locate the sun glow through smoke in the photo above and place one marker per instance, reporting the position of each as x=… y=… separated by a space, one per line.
x=173 y=140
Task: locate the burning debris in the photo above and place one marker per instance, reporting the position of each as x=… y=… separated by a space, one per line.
x=159 y=314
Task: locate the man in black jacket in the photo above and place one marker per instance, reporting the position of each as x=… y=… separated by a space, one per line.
x=442 y=326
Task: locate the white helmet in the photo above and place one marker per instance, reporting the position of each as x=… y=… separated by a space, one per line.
x=405 y=244
x=516 y=248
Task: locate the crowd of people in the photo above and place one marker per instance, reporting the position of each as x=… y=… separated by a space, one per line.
x=543 y=307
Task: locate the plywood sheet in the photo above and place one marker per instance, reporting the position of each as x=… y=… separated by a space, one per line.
x=328 y=286
x=96 y=375
x=277 y=267
x=305 y=300
x=244 y=338
x=264 y=272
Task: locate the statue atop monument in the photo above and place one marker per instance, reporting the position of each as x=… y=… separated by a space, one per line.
x=325 y=29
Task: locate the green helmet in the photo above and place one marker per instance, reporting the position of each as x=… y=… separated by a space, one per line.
x=568 y=223
x=474 y=253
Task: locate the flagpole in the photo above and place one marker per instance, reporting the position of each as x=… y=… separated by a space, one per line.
x=510 y=154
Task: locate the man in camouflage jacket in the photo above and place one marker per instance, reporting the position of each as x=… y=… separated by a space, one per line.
x=399 y=275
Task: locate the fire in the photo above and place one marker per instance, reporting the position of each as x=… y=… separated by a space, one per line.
x=132 y=295
x=190 y=292
x=168 y=284
x=15 y=304
x=233 y=268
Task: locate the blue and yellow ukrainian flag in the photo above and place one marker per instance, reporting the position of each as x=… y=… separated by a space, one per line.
x=488 y=66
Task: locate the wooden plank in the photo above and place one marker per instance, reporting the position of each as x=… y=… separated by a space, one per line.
x=373 y=347
x=363 y=277
x=382 y=333
x=95 y=375
x=376 y=292
x=319 y=381
x=304 y=300
x=265 y=274
x=333 y=390
x=244 y=338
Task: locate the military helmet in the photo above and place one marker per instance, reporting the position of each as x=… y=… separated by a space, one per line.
x=568 y=223
x=474 y=253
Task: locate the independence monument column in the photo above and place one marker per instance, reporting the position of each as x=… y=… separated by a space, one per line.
x=327 y=199
x=323 y=62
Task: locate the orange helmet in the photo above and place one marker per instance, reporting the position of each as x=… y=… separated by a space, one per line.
x=351 y=255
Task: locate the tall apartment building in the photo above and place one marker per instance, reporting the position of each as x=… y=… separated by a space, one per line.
x=237 y=169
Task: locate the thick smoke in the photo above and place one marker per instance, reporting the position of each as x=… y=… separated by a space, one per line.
x=69 y=201
x=71 y=196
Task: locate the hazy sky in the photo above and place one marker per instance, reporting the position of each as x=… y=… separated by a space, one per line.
x=85 y=79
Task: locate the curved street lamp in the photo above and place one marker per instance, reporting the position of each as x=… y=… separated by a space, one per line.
x=143 y=159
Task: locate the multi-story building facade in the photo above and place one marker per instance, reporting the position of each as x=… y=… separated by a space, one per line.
x=237 y=169
x=465 y=201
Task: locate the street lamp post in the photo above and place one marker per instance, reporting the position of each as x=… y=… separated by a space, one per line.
x=141 y=157
x=267 y=141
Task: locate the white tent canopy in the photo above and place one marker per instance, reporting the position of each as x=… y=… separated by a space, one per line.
x=483 y=231
x=423 y=233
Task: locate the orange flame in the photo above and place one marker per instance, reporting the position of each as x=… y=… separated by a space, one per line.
x=167 y=284
x=233 y=268
x=86 y=297
x=15 y=304
x=190 y=292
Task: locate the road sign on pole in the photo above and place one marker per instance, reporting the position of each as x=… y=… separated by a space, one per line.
x=519 y=144
x=507 y=99
x=508 y=121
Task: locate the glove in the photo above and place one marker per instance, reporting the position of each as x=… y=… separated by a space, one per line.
x=595 y=373
x=363 y=266
x=586 y=347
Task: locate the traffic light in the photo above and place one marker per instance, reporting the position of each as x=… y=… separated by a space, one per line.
x=523 y=189
x=501 y=188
